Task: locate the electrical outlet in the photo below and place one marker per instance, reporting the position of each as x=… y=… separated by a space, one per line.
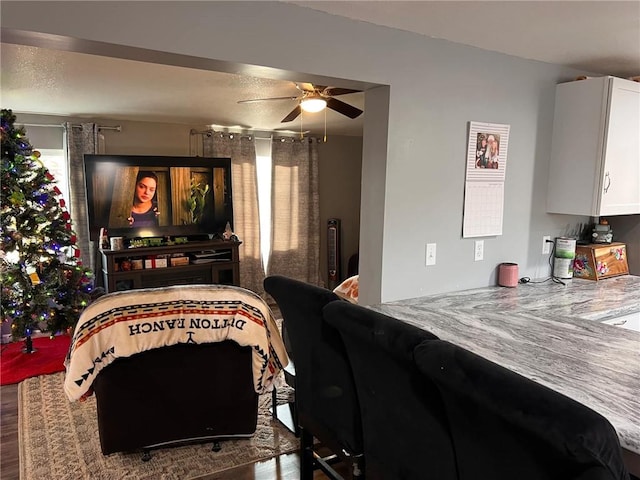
x=546 y=245
x=479 y=250
x=431 y=254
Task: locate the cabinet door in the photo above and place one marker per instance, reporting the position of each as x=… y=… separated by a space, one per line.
x=620 y=179
x=577 y=145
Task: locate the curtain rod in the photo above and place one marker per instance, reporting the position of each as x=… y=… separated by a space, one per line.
x=297 y=139
x=100 y=127
x=210 y=132
x=117 y=128
x=249 y=137
x=41 y=125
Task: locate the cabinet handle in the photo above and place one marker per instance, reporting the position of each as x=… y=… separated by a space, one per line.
x=607 y=181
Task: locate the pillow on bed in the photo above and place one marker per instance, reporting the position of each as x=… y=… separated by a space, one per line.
x=348 y=289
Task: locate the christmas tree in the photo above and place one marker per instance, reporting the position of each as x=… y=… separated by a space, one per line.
x=43 y=280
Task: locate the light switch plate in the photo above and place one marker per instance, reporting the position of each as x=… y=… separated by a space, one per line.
x=431 y=254
x=479 y=250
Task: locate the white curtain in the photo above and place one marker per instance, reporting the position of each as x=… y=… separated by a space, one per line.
x=295 y=230
x=81 y=140
x=246 y=224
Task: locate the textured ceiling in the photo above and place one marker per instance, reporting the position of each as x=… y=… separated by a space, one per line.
x=602 y=37
x=42 y=81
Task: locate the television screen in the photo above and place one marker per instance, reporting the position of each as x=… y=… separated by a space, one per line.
x=151 y=196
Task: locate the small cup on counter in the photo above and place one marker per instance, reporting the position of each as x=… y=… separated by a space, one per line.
x=508 y=275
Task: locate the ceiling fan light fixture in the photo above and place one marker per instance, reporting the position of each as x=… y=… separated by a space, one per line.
x=313 y=104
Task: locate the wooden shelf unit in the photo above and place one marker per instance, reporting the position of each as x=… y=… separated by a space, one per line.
x=225 y=270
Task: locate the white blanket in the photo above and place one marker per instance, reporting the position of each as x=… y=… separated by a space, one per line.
x=121 y=324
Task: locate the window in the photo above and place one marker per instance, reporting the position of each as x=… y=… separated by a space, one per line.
x=55 y=161
x=49 y=140
x=263 y=172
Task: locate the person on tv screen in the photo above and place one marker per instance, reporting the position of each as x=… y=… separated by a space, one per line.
x=144 y=211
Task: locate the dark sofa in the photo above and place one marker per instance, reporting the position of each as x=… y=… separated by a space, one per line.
x=176 y=364
x=176 y=394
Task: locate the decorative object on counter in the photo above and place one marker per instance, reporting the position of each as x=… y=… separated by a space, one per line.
x=595 y=262
x=137 y=264
x=179 y=259
x=227 y=232
x=156 y=241
x=227 y=235
x=155 y=261
x=137 y=243
x=104 y=239
x=146 y=242
x=116 y=243
x=508 y=275
x=153 y=241
x=602 y=232
x=563 y=255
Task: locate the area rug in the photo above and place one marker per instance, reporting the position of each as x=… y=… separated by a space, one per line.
x=15 y=365
x=59 y=440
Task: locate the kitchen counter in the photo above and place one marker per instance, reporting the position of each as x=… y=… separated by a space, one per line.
x=552 y=334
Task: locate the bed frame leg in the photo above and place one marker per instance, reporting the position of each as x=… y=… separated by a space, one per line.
x=146 y=455
x=216 y=446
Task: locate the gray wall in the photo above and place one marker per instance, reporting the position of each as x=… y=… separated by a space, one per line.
x=626 y=229
x=414 y=144
x=339 y=173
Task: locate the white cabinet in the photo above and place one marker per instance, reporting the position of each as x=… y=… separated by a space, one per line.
x=595 y=148
x=631 y=321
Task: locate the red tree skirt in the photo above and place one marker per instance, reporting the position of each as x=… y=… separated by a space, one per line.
x=15 y=365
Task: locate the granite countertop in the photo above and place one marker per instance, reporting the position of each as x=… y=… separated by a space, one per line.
x=552 y=334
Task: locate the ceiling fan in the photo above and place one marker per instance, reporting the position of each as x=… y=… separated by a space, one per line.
x=314 y=98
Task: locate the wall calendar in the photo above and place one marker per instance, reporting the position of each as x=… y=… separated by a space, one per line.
x=484 y=183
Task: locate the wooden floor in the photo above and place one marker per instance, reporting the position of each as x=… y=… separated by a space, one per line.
x=9 y=462
x=284 y=467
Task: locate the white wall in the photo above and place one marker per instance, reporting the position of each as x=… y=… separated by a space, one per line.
x=435 y=89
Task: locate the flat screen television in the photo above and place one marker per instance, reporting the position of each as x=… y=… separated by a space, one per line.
x=137 y=196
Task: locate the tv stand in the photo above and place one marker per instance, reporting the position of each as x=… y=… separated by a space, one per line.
x=205 y=262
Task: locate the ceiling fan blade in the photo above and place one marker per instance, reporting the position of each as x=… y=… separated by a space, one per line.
x=334 y=91
x=343 y=108
x=292 y=115
x=254 y=100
